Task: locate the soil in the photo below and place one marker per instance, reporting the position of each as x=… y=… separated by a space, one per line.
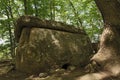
x=58 y=75
x=8 y=72
x=14 y=75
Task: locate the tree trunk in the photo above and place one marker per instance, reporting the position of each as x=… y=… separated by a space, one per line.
x=10 y=35
x=25 y=7
x=10 y=31
x=108 y=56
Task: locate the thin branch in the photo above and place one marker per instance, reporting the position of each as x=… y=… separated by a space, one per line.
x=52 y=9
x=36 y=9
x=76 y=13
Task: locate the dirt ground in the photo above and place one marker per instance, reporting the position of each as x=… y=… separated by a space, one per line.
x=8 y=72
x=58 y=75
x=13 y=75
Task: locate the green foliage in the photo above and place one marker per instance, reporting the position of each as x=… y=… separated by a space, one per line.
x=74 y=12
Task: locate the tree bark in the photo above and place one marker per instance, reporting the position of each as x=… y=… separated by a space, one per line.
x=110 y=10
x=108 y=56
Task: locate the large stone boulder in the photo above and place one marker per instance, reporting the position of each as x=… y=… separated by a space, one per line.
x=42 y=49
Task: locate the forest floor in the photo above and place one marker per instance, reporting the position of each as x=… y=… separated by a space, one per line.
x=61 y=75
x=8 y=72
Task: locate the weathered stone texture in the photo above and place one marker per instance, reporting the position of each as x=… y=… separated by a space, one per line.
x=41 y=49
